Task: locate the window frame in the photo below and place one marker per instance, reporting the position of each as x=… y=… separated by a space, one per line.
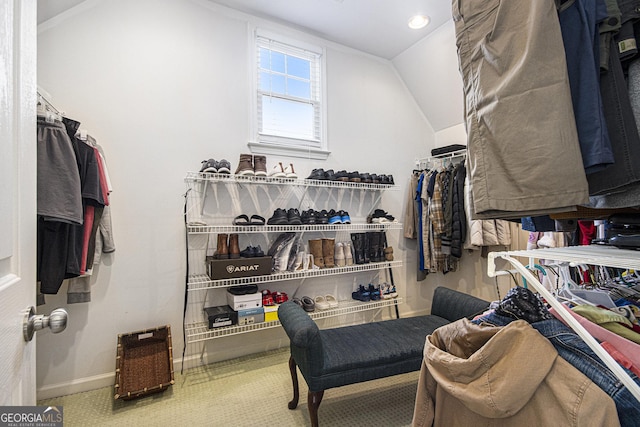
x=283 y=145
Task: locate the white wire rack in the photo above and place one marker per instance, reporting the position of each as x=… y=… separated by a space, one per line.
x=301 y=182
x=197 y=332
x=427 y=162
x=198 y=282
x=207 y=229
x=574 y=255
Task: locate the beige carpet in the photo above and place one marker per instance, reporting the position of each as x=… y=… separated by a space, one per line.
x=248 y=391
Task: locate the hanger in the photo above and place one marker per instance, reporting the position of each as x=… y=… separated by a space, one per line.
x=51 y=113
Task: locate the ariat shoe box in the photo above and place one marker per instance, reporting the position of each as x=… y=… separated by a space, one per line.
x=239 y=267
x=270 y=313
x=221 y=316
x=251 y=316
x=244 y=302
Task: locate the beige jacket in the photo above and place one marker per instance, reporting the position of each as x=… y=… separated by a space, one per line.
x=511 y=376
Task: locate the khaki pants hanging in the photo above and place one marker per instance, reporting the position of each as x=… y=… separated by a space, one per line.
x=523 y=152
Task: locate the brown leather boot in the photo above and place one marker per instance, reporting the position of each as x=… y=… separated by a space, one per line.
x=328 y=251
x=315 y=247
x=222 y=248
x=245 y=165
x=234 y=248
x=260 y=165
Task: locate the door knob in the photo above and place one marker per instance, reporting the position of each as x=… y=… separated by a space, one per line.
x=32 y=322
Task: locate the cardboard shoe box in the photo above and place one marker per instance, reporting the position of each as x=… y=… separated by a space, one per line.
x=239 y=267
x=244 y=302
x=270 y=313
x=251 y=316
x=221 y=316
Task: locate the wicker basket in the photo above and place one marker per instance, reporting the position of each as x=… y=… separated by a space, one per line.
x=144 y=363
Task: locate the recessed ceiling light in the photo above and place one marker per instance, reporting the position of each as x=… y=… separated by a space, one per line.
x=418 y=21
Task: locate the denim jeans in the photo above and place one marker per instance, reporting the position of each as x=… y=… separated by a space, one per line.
x=574 y=350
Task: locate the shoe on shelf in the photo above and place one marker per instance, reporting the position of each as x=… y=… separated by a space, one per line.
x=321 y=303
x=267 y=298
x=374 y=292
x=260 y=165
x=208 y=166
x=245 y=165
x=316 y=174
x=344 y=217
x=331 y=300
x=290 y=172
x=223 y=166
x=293 y=217
x=342 y=176
x=339 y=256
x=279 y=297
x=279 y=218
x=388 y=253
x=330 y=175
x=354 y=176
x=334 y=217
x=366 y=178
x=361 y=294
x=348 y=255
x=308 y=304
x=322 y=217
x=309 y=217
x=375 y=179
x=277 y=171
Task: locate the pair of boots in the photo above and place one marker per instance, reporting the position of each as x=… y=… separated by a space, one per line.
x=323 y=251
x=227 y=247
x=252 y=165
x=343 y=255
x=370 y=247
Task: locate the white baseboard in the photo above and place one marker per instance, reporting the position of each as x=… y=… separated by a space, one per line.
x=80 y=385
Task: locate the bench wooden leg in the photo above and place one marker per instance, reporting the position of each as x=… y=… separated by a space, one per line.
x=313 y=401
x=294 y=378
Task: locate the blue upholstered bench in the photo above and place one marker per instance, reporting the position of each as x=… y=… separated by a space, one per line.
x=330 y=358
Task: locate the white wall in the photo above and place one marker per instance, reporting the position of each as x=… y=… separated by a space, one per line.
x=161 y=85
x=430 y=70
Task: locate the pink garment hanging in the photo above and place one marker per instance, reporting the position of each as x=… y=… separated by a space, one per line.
x=628 y=348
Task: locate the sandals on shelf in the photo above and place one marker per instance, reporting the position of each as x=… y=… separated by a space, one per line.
x=322 y=303
x=331 y=300
x=308 y=304
x=245 y=220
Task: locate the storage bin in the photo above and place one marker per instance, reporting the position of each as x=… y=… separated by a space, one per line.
x=144 y=363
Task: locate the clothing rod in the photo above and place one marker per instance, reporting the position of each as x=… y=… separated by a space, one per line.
x=444 y=156
x=46 y=101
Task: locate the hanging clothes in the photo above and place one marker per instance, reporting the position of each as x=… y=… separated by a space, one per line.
x=508 y=376
x=524 y=157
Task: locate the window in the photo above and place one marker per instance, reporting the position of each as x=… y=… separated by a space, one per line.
x=289 y=108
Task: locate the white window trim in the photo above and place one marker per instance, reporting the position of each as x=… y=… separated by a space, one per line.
x=261 y=144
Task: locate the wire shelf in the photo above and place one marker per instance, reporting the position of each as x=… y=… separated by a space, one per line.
x=609 y=256
x=197 y=332
x=200 y=282
x=299 y=182
x=208 y=229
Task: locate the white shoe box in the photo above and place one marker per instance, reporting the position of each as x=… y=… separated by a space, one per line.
x=244 y=302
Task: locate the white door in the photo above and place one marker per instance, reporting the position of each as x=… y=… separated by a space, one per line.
x=18 y=100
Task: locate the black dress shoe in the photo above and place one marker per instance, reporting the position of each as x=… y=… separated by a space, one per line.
x=329 y=175
x=316 y=174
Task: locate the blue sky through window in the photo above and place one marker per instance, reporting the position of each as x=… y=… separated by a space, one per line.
x=288 y=91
